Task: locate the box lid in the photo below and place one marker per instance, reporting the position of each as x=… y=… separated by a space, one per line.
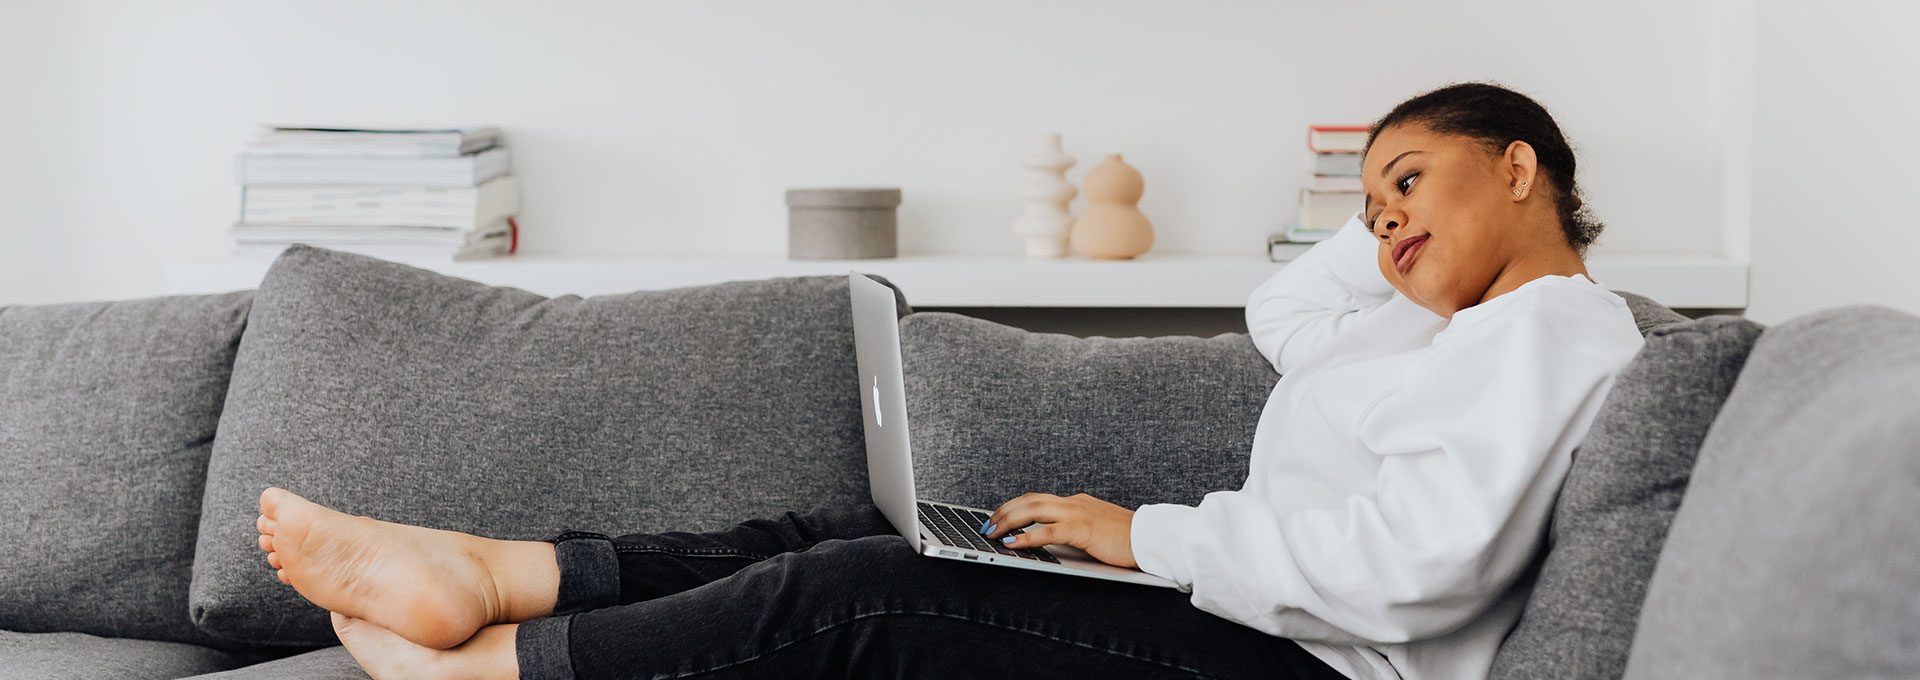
x=844 y=197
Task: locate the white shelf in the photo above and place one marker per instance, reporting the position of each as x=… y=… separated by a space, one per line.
x=1152 y=280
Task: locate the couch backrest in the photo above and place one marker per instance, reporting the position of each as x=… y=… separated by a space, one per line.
x=1133 y=420
x=997 y=411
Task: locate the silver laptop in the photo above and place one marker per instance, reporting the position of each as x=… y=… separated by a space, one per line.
x=934 y=529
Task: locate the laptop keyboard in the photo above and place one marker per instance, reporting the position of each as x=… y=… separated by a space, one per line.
x=961 y=528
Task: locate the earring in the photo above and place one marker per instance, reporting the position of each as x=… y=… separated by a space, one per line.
x=1523 y=187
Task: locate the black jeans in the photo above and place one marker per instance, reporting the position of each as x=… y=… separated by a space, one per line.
x=838 y=593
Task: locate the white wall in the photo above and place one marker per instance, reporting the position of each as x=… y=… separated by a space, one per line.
x=1836 y=157
x=34 y=231
x=674 y=126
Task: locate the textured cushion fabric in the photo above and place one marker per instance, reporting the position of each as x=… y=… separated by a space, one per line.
x=997 y=411
x=78 y=656
x=1794 y=554
x=1612 y=515
x=398 y=393
x=1648 y=314
x=331 y=663
x=107 y=413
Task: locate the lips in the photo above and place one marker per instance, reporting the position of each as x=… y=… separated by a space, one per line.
x=1405 y=251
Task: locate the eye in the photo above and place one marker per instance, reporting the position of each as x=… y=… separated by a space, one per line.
x=1406 y=183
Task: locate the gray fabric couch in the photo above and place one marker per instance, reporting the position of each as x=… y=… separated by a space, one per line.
x=135 y=434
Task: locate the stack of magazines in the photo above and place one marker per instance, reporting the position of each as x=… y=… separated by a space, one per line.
x=393 y=193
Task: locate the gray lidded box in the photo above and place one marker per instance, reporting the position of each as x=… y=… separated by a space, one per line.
x=835 y=223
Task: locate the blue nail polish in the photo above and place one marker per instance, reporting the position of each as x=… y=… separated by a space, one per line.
x=1008 y=539
x=991 y=527
x=983 y=525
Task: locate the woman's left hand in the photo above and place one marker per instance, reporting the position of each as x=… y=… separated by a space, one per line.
x=1102 y=529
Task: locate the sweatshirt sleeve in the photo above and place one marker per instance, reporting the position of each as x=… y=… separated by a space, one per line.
x=1472 y=448
x=1317 y=295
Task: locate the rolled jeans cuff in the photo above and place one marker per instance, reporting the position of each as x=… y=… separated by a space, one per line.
x=589 y=579
x=589 y=572
x=542 y=650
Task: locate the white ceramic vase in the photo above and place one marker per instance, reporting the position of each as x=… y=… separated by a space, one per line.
x=1044 y=225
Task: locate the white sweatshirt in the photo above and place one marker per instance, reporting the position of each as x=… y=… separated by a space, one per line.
x=1404 y=467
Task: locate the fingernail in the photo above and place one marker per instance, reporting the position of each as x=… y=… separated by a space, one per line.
x=983 y=525
x=1008 y=539
x=991 y=527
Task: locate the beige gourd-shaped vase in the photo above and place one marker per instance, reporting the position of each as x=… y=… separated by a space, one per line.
x=1112 y=228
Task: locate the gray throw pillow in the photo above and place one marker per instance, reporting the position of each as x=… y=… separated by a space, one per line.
x=107 y=413
x=997 y=411
x=398 y=393
x=1647 y=314
x=1793 y=555
x=1619 y=496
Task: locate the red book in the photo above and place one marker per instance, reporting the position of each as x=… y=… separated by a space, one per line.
x=1337 y=138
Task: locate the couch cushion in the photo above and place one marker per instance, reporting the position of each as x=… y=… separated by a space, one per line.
x=331 y=663
x=1618 y=499
x=398 y=393
x=997 y=411
x=1793 y=555
x=107 y=413
x=78 y=656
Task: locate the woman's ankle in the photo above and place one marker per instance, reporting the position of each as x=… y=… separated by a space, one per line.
x=525 y=575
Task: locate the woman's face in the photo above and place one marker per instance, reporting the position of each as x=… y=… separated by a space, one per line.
x=1449 y=190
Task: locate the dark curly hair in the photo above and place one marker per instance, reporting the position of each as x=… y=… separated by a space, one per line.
x=1496 y=116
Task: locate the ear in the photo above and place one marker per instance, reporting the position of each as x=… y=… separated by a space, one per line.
x=1522 y=170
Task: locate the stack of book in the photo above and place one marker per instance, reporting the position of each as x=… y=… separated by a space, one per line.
x=394 y=193
x=1333 y=195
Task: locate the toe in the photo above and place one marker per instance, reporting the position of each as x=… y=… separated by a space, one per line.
x=273 y=559
x=282 y=575
x=266 y=526
x=266 y=543
x=270 y=500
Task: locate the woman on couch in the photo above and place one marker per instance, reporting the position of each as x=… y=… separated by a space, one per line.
x=1440 y=358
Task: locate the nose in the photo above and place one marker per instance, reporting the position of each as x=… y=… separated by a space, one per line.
x=1389 y=220
x=1386 y=225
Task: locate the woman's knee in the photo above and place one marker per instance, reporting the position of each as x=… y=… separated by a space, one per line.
x=888 y=551
x=871 y=563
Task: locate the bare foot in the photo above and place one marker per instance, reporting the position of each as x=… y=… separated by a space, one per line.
x=434 y=588
x=385 y=655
